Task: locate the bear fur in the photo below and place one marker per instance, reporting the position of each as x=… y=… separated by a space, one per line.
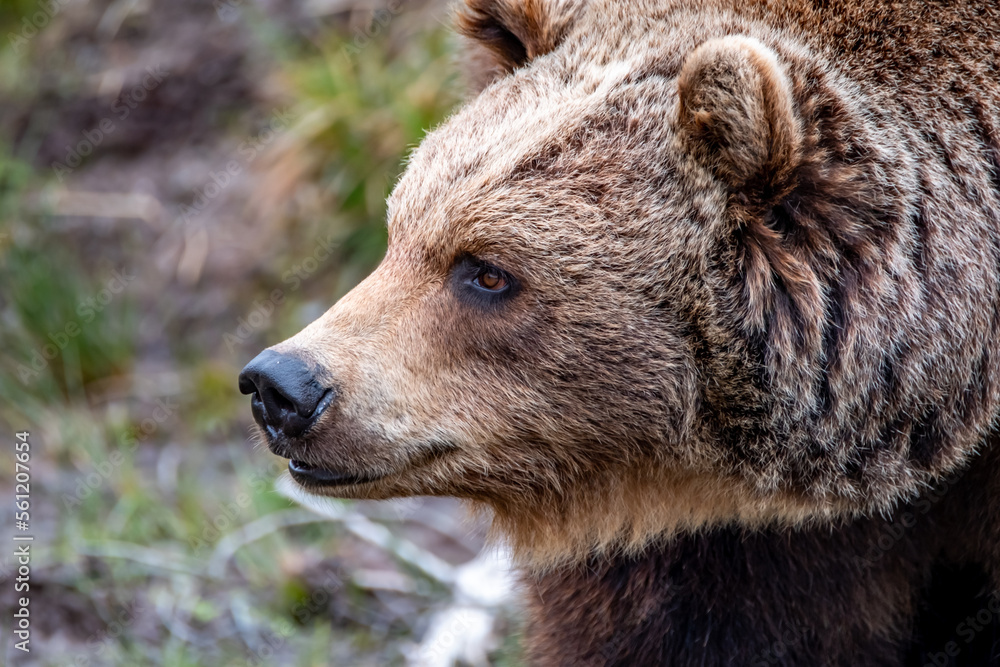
x=733 y=402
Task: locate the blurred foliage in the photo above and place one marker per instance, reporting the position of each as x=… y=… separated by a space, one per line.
x=70 y=329
x=14 y=12
x=143 y=485
x=359 y=110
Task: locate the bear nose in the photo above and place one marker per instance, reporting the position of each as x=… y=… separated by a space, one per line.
x=286 y=399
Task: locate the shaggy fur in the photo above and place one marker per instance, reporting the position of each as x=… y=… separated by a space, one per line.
x=871 y=593
x=754 y=250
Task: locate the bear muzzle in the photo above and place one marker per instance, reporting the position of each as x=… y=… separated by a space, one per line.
x=287 y=401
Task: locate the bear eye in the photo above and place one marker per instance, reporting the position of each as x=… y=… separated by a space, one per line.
x=491 y=279
x=480 y=284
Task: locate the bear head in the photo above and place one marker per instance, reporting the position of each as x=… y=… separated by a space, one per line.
x=655 y=275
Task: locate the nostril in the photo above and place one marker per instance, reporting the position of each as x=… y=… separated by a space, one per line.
x=286 y=396
x=247 y=385
x=277 y=405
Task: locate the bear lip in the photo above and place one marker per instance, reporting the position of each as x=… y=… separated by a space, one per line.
x=309 y=475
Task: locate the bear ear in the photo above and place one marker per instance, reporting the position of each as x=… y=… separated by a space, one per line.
x=737 y=114
x=512 y=32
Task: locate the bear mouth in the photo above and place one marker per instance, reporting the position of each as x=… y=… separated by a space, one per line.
x=309 y=475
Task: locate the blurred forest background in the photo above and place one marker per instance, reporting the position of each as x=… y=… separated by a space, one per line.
x=182 y=183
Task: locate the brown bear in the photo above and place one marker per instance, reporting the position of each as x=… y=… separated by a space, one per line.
x=701 y=300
